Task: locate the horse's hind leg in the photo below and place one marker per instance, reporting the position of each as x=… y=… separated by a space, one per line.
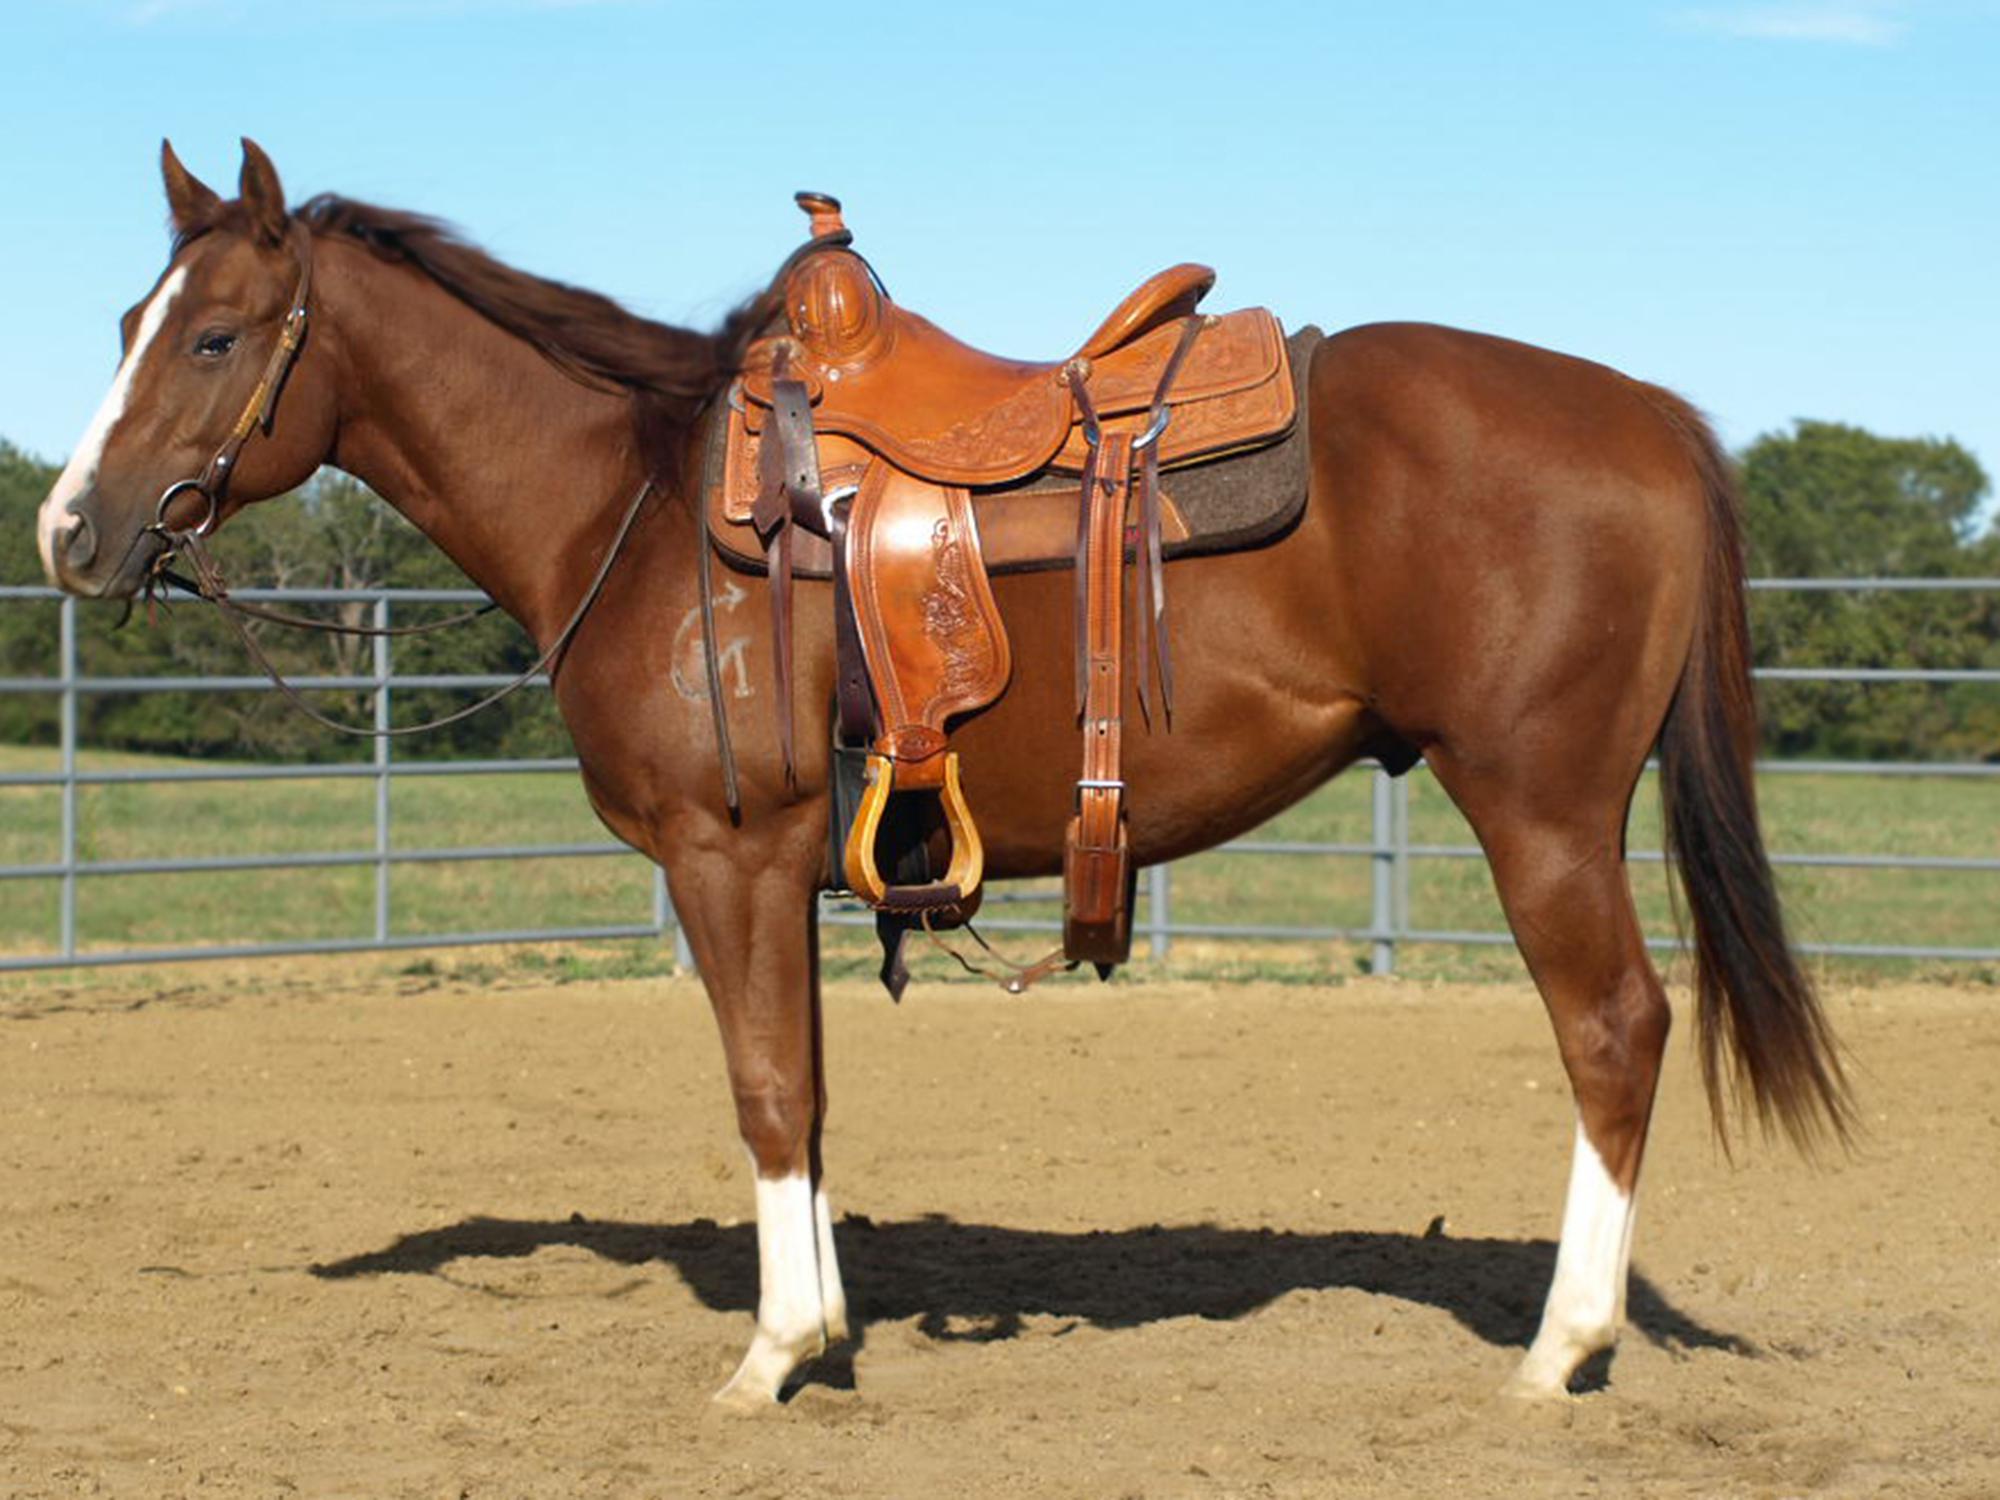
x=753 y=935
x=1561 y=876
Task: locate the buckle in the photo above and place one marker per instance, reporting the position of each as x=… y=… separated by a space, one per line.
x=1097 y=784
x=832 y=498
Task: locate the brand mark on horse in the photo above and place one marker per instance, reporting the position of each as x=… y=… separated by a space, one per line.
x=732 y=653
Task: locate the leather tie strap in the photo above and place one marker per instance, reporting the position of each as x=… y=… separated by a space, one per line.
x=788 y=494
x=1150 y=583
x=853 y=698
x=711 y=659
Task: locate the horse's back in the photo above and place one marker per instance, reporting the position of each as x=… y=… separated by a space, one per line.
x=1471 y=419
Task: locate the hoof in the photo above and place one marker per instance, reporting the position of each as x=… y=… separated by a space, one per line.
x=741 y=1398
x=765 y=1369
x=1527 y=1385
x=1546 y=1372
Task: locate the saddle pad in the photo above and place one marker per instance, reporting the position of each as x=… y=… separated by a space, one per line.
x=1223 y=503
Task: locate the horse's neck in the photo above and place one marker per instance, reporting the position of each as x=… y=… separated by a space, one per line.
x=518 y=473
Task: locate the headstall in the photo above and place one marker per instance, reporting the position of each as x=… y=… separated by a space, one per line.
x=257 y=411
x=213 y=482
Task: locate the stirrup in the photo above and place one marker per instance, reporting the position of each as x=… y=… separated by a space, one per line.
x=957 y=894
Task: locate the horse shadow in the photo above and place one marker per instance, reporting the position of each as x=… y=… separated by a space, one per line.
x=981 y=1282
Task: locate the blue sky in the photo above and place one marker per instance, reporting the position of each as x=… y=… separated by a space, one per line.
x=1780 y=209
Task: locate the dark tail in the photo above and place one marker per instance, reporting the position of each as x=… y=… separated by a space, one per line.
x=1752 y=1000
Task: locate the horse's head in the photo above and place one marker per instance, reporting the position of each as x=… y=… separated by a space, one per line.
x=190 y=430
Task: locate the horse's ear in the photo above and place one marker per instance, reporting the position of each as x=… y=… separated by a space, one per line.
x=262 y=194
x=191 y=203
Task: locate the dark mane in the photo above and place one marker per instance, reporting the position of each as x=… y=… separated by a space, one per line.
x=671 y=373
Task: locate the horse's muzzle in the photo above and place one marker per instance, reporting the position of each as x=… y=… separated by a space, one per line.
x=81 y=563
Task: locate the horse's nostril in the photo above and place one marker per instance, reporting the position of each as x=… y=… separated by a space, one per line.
x=79 y=546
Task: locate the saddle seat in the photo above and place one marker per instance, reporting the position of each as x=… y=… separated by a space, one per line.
x=933 y=405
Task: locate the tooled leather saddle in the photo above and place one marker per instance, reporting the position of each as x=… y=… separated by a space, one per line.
x=863 y=443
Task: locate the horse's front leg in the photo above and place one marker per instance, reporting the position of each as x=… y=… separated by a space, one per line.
x=751 y=917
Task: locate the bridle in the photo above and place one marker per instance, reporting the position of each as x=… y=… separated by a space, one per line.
x=213 y=482
x=258 y=411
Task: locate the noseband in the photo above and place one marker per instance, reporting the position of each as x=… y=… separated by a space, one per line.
x=257 y=411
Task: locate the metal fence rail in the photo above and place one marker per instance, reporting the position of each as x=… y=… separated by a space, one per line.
x=1389 y=849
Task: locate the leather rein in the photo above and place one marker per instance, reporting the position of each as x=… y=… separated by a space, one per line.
x=212 y=483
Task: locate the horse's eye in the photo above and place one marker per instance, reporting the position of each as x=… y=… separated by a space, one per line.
x=214 y=345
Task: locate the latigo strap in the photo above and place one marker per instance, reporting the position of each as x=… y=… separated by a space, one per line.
x=789 y=495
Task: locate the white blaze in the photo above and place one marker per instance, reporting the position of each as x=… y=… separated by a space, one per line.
x=81 y=471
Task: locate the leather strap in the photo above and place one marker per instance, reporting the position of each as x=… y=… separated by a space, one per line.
x=258 y=410
x=212 y=587
x=1150 y=624
x=725 y=748
x=1096 y=858
x=854 y=700
x=1101 y=791
x=788 y=495
x=1014 y=978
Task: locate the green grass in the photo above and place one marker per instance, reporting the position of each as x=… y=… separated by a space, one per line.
x=1803 y=813
x=1822 y=814
x=321 y=815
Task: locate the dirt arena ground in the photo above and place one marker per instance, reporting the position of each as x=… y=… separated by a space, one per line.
x=326 y=1231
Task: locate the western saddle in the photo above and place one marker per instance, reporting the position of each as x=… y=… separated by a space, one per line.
x=864 y=443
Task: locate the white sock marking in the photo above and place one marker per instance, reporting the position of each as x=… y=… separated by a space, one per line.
x=787 y=1257
x=832 y=1295
x=791 y=1322
x=81 y=471
x=1587 y=1298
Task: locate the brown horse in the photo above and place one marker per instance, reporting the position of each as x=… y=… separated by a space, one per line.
x=1521 y=566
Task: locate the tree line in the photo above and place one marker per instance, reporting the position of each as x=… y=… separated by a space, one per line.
x=1827 y=500
x=1821 y=500
x=331 y=533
